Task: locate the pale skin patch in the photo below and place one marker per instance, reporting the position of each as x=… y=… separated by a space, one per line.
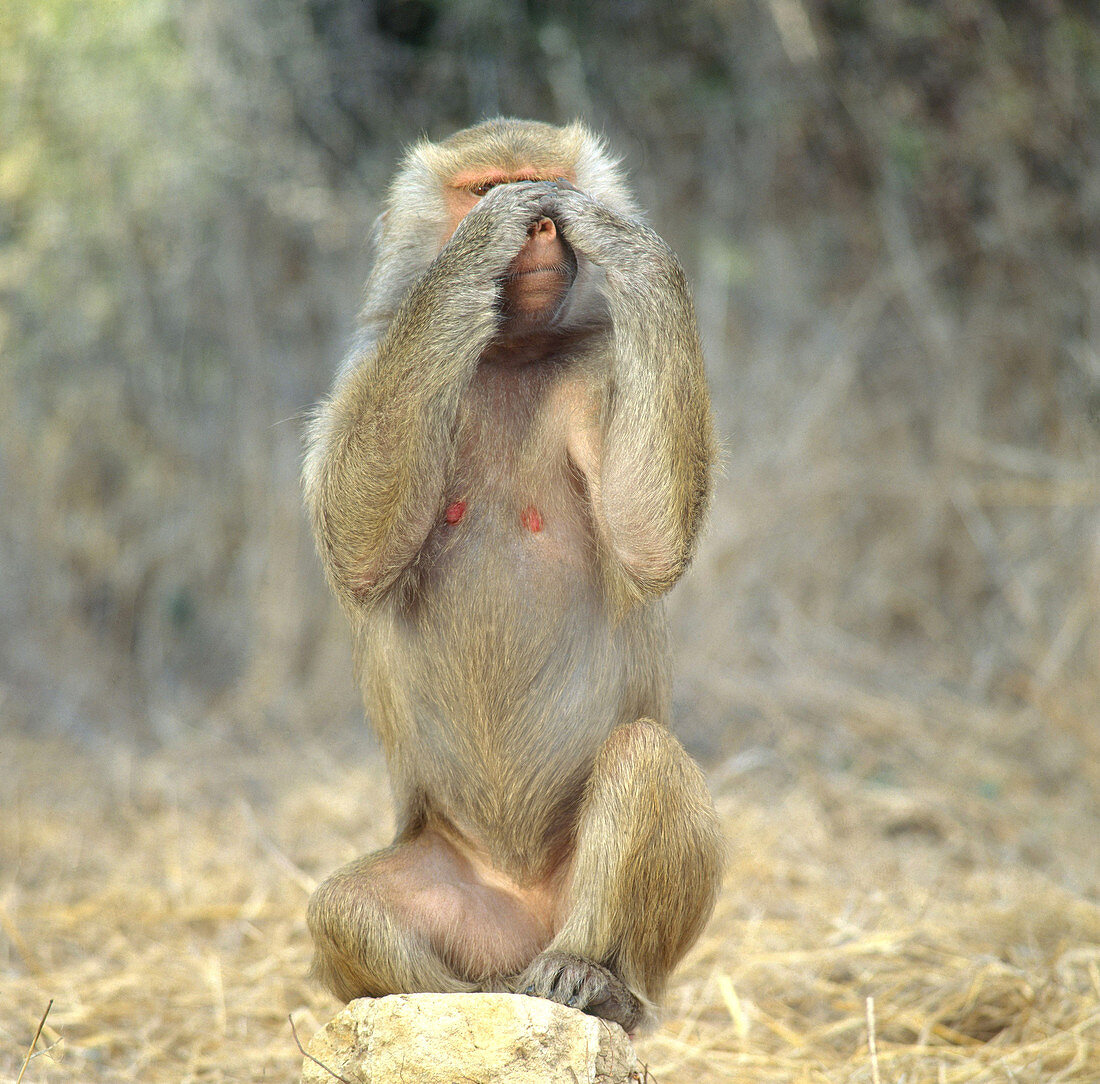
x=488 y=924
x=577 y=402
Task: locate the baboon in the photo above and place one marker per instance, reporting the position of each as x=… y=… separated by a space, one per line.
x=510 y=472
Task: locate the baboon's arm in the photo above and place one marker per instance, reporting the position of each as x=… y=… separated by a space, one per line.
x=647 y=449
x=381 y=446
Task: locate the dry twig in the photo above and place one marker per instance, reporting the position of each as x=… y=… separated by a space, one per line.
x=306 y=1054
x=34 y=1042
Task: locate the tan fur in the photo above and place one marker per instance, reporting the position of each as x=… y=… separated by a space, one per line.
x=553 y=836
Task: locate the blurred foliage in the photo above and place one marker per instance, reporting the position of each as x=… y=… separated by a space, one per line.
x=889 y=210
x=88 y=182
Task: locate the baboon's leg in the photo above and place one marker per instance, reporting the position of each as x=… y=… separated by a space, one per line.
x=643 y=883
x=419 y=917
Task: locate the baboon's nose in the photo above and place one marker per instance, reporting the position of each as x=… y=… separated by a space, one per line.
x=544 y=229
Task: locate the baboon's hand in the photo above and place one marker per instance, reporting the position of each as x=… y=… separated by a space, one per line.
x=581 y=984
x=491 y=235
x=616 y=243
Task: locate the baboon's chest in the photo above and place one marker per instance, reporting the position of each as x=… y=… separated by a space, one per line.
x=514 y=508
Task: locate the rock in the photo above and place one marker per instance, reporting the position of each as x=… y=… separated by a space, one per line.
x=468 y=1038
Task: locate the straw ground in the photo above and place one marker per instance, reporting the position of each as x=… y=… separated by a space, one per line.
x=869 y=930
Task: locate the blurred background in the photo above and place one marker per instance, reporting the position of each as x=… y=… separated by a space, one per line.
x=890 y=212
x=887 y=650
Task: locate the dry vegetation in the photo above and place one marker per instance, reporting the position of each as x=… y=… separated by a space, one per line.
x=159 y=901
x=889 y=650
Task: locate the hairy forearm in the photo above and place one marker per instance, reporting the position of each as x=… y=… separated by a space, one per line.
x=651 y=477
x=658 y=443
x=380 y=447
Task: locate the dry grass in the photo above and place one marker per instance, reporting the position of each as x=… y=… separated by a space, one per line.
x=159 y=901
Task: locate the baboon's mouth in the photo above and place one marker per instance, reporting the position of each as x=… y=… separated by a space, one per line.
x=560 y=269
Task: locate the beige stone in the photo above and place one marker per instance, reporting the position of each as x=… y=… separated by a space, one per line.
x=468 y=1039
